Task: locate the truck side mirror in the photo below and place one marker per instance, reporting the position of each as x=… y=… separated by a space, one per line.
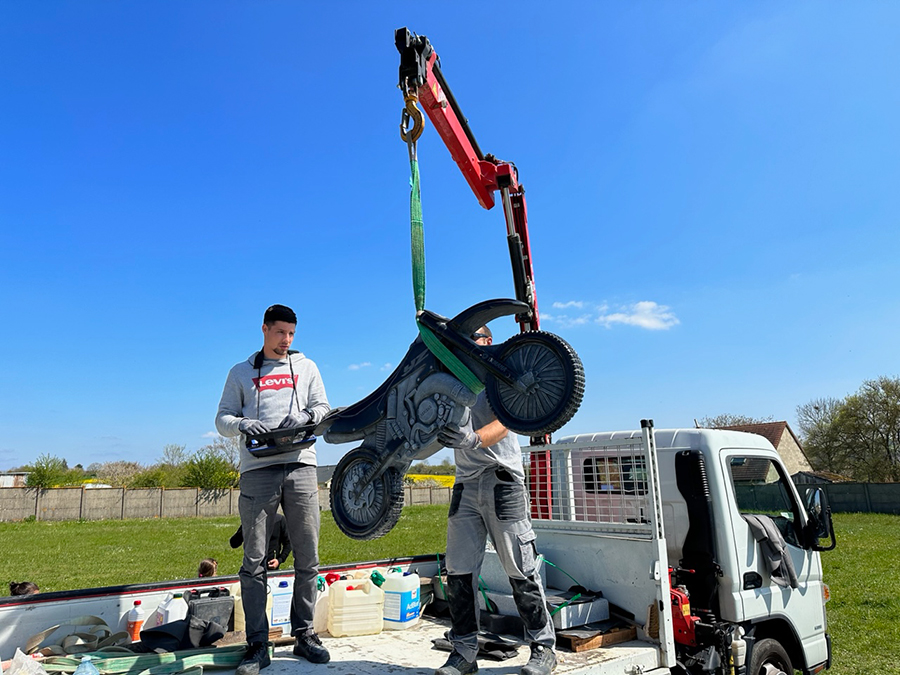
x=820 y=525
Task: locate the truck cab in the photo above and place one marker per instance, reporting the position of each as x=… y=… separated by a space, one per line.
x=699 y=535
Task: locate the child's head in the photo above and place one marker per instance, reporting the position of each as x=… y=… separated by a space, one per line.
x=208 y=567
x=23 y=588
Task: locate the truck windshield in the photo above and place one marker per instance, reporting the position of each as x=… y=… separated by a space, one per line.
x=760 y=489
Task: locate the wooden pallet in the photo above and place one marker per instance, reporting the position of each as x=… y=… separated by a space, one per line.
x=582 y=641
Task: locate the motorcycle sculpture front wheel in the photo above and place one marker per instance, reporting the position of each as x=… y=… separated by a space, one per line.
x=373 y=511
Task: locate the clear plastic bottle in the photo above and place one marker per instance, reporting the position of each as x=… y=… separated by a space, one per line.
x=86 y=667
x=135 y=621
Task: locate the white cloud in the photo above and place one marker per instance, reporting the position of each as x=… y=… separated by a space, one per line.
x=358 y=366
x=566 y=321
x=210 y=434
x=387 y=366
x=645 y=314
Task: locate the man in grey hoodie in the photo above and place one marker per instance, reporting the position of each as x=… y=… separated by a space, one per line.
x=276 y=388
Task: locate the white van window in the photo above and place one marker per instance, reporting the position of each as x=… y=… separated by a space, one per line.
x=760 y=489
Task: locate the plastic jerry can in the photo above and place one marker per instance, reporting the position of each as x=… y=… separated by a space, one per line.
x=355 y=607
x=282 y=594
x=401 y=600
x=240 y=621
x=320 y=613
x=173 y=608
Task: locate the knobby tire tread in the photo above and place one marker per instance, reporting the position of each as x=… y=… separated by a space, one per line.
x=390 y=482
x=574 y=385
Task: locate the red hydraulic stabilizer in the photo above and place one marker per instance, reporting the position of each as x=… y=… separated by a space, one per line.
x=421 y=80
x=683 y=622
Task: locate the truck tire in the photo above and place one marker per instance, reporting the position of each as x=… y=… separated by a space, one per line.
x=377 y=509
x=555 y=391
x=769 y=658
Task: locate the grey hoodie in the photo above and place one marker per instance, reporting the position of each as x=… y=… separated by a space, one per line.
x=277 y=396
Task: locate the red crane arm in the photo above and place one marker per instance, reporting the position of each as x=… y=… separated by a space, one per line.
x=420 y=74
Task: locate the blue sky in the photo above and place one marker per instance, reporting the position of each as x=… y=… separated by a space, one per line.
x=712 y=195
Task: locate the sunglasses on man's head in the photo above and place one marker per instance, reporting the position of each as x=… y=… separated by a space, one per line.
x=478 y=336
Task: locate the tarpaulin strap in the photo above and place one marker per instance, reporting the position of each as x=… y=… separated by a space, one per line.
x=166 y=663
x=417 y=242
x=95 y=634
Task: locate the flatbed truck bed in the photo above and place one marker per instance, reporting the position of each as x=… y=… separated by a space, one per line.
x=411 y=652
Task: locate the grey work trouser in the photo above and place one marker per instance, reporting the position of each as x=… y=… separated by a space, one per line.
x=494 y=505
x=293 y=486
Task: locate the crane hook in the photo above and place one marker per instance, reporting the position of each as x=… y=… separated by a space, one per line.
x=411 y=112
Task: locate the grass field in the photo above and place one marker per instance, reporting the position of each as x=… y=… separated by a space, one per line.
x=61 y=556
x=863 y=572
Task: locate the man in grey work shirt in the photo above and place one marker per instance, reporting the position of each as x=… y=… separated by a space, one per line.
x=276 y=388
x=490 y=499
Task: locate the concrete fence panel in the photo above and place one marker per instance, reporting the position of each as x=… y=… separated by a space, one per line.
x=59 y=504
x=180 y=503
x=17 y=503
x=884 y=497
x=212 y=503
x=102 y=503
x=143 y=503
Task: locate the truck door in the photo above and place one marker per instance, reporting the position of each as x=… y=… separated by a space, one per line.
x=760 y=486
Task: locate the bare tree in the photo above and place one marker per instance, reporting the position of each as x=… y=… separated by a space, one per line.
x=174 y=455
x=729 y=420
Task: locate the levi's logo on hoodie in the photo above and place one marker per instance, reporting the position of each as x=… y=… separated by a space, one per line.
x=274 y=382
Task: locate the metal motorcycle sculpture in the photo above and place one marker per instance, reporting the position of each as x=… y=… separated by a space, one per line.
x=534 y=383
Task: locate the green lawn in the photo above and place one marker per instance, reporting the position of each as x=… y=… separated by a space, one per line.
x=863 y=572
x=61 y=556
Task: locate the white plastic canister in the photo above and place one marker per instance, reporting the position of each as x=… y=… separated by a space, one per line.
x=355 y=607
x=173 y=608
x=282 y=594
x=401 y=600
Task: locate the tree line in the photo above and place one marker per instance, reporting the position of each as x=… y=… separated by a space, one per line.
x=857 y=436
x=212 y=467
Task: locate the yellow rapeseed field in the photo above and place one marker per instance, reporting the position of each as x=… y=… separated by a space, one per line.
x=445 y=481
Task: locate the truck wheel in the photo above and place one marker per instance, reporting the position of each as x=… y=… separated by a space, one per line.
x=769 y=658
x=553 y=384
x=377 y=508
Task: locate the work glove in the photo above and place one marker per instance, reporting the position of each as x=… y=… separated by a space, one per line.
x=451 y=436
x=294 y=420
x=251 y=427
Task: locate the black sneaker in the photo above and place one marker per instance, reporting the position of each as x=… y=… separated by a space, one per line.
x=256 y=658
x=542 y=661
x=310 y=647
x=457 y=665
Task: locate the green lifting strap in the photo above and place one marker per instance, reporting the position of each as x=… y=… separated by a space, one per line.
x=417 y=237
x=417 y=241
x=168 y=663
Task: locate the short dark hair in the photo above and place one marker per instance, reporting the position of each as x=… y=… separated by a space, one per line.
x=208 y=567
x=23 y=588
x=279 y=313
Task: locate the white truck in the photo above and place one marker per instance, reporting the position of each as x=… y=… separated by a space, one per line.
x=656 y=521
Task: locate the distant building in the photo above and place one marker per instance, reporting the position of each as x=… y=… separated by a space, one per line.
x=786 y=443
x=14 y=479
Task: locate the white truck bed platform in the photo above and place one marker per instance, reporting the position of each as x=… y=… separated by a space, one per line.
x=410 y=652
